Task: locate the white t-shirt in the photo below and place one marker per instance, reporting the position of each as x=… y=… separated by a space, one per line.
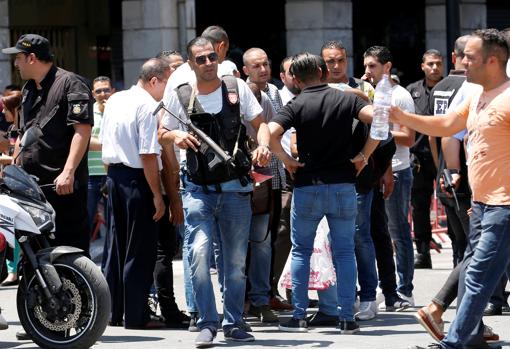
x=128 y=128
x=402 y=99
x=286 y=97
x=213 y=103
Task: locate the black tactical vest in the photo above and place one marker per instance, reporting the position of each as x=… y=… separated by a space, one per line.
x=225 y=129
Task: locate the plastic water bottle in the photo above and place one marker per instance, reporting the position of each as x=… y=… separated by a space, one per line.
x=382 y=103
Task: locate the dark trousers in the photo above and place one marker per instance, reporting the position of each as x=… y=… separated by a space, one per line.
x=132 y=252
x=274 y=224
x=458 y=224
x=282 y=243
x=163 y=271
x=498 y=298
x=71 y=224
x=421 y=195
x=383 y=247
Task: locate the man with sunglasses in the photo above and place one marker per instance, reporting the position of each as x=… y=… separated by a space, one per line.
x=101 y=91
x=217 y=205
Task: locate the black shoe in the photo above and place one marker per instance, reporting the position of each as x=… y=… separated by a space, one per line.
x=23 y=336
x=491 y=310
x=193 y=322
x=348 y=326
x=320 y=319
x=422 y=261
x=313 y=303
x=10 y=283
x=430 y=346
x=177 y=319
x=294 y=325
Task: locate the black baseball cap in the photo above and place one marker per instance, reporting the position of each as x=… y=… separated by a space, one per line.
x=31 y=43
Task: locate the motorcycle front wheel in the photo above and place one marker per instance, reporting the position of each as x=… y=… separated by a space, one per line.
x=83 y=307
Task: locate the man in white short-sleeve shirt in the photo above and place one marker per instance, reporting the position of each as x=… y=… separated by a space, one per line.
x=221 y=210
x=131 y=151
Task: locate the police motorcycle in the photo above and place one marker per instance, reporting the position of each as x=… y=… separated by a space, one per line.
x=63 y=300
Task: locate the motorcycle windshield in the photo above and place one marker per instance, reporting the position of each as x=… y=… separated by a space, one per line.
x=20 y=182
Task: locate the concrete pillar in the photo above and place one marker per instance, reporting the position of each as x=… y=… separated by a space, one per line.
x=5 y=60
x=150 y=26
x=310 y=23
x=473 y=15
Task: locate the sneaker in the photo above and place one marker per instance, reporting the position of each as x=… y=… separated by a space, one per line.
x=397 y=304
x=205 y=338
x=319 y=319
x=422 y=261
x=294 y=325
x=367 y=311
x=243 y=325
x=379 y=298
x=409 y=299
x=237 y=335
x=348 y=326
x=264 y=313
x=3 y=323
x=430 y=346
x=356 y=305
x=193 y=322
x=491 y=310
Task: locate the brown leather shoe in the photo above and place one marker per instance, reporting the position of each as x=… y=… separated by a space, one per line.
x=276 y=304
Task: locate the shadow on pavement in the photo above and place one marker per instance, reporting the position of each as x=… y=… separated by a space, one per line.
x=275 y=343
x=124 y=338
x=5 y=345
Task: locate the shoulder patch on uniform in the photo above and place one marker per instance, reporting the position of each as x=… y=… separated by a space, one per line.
x=233 y=97
x=76 y=108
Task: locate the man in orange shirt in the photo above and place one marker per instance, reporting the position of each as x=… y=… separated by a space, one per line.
x=487 y=117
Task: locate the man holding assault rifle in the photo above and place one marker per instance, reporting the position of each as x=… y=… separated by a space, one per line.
x=216 y=197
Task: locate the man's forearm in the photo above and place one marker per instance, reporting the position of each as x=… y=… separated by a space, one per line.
x=369 y=147
x=79 y=145
x=151 y=172
x=263 y=135
x=170 y=172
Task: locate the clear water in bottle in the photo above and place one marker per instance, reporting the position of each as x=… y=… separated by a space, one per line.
x=382 y=103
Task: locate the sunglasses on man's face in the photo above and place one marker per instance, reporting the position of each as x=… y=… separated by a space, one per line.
x=212 y=57
x=102 y=90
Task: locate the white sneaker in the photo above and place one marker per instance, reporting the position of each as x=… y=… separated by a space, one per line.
x=379 y=298
x=367 y=311
x=406 y=298
x=3 y=323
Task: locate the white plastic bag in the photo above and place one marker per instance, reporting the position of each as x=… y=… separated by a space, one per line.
x=322 y=270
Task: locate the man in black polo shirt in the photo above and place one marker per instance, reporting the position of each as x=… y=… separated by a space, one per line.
x=324 y=181
x=425 y=155
x=60 y=103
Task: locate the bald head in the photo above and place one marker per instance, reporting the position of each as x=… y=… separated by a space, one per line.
x=256 y=66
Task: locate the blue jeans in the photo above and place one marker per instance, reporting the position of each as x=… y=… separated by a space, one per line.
x=188 y=286
x=227 y=217
x=365 y=250
x=309 y=205
x=260 y=261
x=94 y=195
x=486 y=259
x=397 y=209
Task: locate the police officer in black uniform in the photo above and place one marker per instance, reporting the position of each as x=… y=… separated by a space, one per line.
x=60 y=103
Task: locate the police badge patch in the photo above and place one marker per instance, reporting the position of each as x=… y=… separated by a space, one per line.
x=233 y=97
x=76 y=109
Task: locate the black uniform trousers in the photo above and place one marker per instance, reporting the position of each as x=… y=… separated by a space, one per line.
x=132 y=249
x=163 y=271
x=421 y=196
x=71 y=220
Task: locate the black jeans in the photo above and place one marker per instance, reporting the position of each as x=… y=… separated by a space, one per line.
x=383 y=247
x=421 y=195
x=163 y=270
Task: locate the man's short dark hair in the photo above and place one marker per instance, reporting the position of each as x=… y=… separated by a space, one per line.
x=102 y=78
x=381 y=53
x=199 y=41
x=493 y=44
x=154 y=67
x=305 y=66
x=431 y=52
x=13 y=87
x=168 y=53
x=285 y=60
x=333 y=44
x=215 y=34
x=460 y=44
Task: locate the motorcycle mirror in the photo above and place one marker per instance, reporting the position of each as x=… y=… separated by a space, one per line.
x=31 y=136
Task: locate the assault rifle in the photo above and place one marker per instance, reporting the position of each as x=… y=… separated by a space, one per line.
x=448 y=183
x=207 y=145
